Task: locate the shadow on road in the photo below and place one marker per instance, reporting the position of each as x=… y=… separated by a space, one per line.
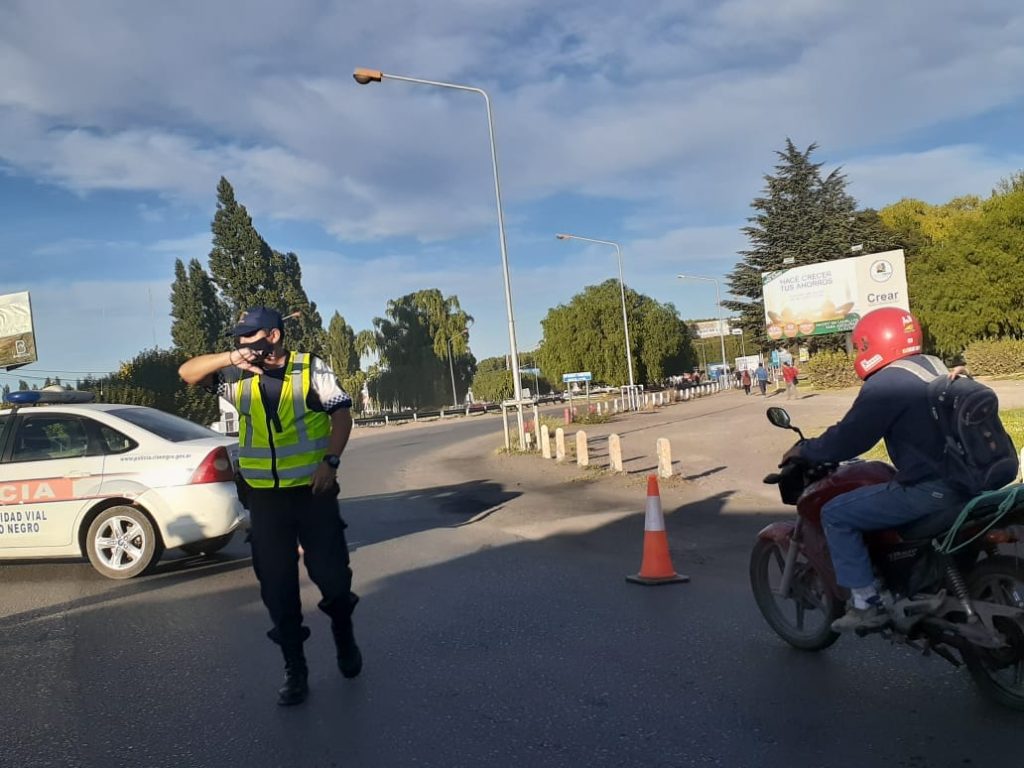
x=529 y=652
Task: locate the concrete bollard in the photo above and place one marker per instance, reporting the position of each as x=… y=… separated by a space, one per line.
x=529 y=440
x=414 y=415
x=559 y=444
x=582 y=454
x=442 y=414
x=567 y=414
x=664 y=457
x=615 y=452
x=545 y=442
x=536 y=430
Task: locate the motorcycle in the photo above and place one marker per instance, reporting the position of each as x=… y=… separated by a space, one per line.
x=947 y=588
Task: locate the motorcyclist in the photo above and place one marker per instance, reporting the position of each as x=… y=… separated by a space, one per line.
x=893 y=406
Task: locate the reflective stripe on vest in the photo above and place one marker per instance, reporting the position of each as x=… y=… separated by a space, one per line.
x=288 y=457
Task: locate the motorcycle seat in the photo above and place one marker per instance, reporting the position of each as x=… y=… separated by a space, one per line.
x=932 y=525
x=928 y=526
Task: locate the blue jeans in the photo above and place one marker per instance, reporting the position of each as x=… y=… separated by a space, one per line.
x=873 y=508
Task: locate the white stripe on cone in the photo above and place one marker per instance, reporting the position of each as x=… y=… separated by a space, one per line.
x=654 y=520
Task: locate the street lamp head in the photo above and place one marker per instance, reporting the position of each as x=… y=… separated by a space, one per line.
x=365 y=76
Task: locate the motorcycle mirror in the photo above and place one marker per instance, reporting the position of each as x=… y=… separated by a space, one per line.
x=780 y=418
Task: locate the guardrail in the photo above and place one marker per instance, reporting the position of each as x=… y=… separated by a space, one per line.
x=401 y=417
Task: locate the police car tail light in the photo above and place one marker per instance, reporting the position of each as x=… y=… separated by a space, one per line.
x=215 y=468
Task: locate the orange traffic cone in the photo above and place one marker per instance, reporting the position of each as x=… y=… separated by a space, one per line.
x=656 y=567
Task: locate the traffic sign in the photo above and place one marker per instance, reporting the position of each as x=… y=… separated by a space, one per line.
x=582 y=376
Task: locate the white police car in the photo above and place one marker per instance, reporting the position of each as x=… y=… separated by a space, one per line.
x=118 y=484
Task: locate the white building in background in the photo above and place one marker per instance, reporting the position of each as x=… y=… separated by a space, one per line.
x=227 y=424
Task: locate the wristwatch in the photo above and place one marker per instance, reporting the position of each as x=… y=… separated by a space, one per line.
x=332 y=461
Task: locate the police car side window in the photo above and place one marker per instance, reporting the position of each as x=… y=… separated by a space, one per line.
x=113 y=441
x=49 y=436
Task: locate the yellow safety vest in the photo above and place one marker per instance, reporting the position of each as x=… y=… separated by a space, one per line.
x=284 y=455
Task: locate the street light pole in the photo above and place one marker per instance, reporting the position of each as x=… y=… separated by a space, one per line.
x=622 y=292
x=451 y=368
x=721 y=324
x=366 y=76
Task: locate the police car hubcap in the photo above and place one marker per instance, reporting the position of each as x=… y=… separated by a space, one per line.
x=120 y=543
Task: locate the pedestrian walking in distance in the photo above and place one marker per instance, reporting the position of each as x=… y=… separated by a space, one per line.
x=790 y=375
x=746 y=382
x=761 y=374
x=294 y=424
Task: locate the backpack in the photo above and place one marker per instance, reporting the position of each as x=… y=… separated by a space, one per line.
x=979 y=455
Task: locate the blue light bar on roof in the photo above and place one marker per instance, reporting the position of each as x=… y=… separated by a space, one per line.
x=32 y=397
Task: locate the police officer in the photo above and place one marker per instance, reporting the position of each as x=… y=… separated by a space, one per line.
x=294 y=423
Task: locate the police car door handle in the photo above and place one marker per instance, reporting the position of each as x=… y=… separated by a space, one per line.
x=77 y=473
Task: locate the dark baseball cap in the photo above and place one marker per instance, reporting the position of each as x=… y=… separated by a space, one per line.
x=256 y=318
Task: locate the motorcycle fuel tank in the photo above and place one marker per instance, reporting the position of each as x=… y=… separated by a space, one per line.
x=845 y=479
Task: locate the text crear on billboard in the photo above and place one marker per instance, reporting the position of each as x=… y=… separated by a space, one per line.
x=830 y=297
x=17 y=337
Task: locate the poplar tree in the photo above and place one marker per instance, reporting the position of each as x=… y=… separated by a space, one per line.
x=250 y=273
x=199 y=316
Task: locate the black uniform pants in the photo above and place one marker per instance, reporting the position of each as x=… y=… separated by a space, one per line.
x=282 y=518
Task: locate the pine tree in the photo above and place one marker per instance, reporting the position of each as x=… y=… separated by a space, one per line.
x=200 y=317
x=801 y=216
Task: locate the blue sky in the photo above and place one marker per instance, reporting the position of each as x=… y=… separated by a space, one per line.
x=648 y=123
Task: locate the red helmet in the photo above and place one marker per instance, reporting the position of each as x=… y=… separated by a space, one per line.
x=884 y=336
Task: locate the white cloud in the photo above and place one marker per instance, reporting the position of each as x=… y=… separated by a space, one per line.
x=935 y=176
x=666 y=105
x=668 y=111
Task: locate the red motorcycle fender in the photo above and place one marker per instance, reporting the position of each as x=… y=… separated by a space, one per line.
x=780 y=532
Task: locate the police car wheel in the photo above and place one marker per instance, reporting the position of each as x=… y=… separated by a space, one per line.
x=121 y=543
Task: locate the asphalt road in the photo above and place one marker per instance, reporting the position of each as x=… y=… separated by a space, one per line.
x=482 y=648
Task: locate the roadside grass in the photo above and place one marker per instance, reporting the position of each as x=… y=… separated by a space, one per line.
x=1013 y=420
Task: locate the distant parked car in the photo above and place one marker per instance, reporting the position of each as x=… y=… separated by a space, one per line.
x=551 y=397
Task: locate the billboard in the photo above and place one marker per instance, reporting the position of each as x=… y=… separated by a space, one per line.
x=831 y=296
x=709 y=329
x=17 y=338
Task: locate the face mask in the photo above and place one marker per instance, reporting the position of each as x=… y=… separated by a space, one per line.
x=262 y=347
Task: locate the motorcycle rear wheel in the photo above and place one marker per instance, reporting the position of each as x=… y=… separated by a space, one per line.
x=788 y=615
x=999 y=674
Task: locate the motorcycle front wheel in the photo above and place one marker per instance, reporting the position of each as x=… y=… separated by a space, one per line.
x=999 y=674
x=804 y=617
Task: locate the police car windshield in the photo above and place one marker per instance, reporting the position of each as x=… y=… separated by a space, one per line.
x=163 y=425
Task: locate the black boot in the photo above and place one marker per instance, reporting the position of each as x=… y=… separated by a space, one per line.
x=350 y=658
x=296 y=678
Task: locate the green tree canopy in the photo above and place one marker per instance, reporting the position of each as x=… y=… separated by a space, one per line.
x=412 y=343
x=200 y=317
x=587 y=335
x=800 y=215
x=151 y=378
x=965 y=278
